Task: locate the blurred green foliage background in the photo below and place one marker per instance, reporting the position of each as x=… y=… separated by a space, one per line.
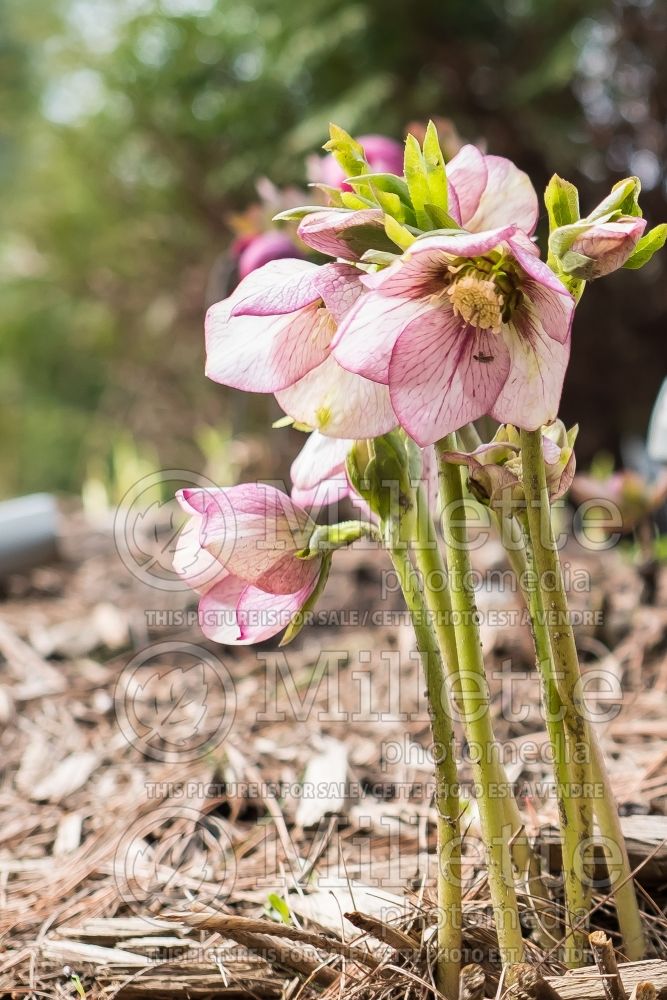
x=131 y=129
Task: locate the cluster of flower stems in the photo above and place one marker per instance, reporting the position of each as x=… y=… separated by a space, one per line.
x=448 y=638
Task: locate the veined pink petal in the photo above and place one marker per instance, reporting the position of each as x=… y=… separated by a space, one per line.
x=365 y=339
x=261 y=615
x=265 y=353
x=343 y=233
x=525 y=253
x=509 y=197
x=532 y=392
x=254 y=531
x=454 y=244
x=198 y=567
x=281 y=286
x=217 y=612
x=443 y=374
x=555 y=309
x=338 y=403
x=467 y=173
x=329 y=491
x=339 y=286
x=454 y=209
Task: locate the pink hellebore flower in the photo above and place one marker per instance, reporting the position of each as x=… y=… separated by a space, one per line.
x=460 y=326
x=485 y=192
x=600 y=247
x=260 y=249
x=383 y=155
x=239 y=552
x=274 y=333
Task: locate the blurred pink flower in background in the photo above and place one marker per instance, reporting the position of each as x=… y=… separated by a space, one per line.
x=255 y=251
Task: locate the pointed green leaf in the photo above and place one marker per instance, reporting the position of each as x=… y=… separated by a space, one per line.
x=561 y=199
x=440 y=218
x=647 y=246
x=622 y=198
x=297 y=214
x=380 y=257
x=415 y=176
x=348 y=152
x=384 y=182
x=355 y=201
x=397 y=233
x=435 y=168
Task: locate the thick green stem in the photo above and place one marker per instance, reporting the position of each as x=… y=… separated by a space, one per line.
x=577 y=899
x=475 y=702
x=573 y=743
x=446 y=797
x=604 y=806
x=432 y=568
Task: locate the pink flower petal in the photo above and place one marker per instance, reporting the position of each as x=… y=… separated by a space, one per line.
x=338 y=403
x=217 y=612
x=456 y=244
x=340 y=287
x=319 y=459
x=527 y=256
x=254 y=531
x=531 y=395
x=365 y=339
x=265 y=353
x=281 y=286
x=436 y=380
x=508 y=198
x=467 y=173
x=344 y=233
x=555 y=309
x=199 y=568
x=261 y=615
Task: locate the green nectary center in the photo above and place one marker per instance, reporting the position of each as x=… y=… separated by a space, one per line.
x=483 y=292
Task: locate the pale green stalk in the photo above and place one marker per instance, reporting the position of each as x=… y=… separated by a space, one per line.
x=475 y=702
x=446 y=796
x=432 y=568
x=563 y=660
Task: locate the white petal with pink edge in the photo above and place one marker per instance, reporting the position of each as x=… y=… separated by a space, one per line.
x=265 y=353
x=338 y=403
x=531 y=394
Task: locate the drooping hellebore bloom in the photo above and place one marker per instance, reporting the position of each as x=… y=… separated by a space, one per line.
x=495 y=473
x=485 y=192
x=590 y=250
x=274 y=334
x=239 y=551
x=460 y=326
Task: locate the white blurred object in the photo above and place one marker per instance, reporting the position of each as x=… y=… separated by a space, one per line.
x=657 y=430
x=28 y=533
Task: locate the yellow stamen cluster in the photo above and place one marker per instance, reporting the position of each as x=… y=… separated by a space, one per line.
x=478 y=301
